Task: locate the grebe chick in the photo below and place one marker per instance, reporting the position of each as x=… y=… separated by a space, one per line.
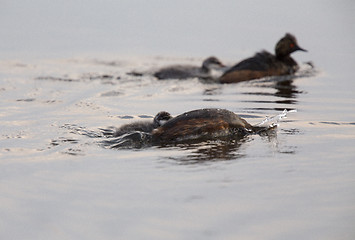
x=201 y=124
x=264 y=64
x=144 y=126
x=184 y=72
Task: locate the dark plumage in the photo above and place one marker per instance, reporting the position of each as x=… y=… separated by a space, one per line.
x=183 y=72
x=144 y=126
x=202 y=123
x=265 y=64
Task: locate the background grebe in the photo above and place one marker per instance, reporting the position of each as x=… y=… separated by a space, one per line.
x=265 y=64
x=183 y=72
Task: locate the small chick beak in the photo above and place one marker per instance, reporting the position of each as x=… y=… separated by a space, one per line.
x=222 y=65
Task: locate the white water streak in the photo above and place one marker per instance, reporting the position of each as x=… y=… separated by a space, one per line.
x=274 y=120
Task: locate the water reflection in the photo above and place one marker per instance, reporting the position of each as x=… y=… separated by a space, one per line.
x=210 y=151
x=218 y=150
x=284 y=86
x=85 y=77
x=286 y=93
x=194 y=151
x=286 y=89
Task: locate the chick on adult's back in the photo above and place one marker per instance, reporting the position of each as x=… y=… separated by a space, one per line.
x=144 y=126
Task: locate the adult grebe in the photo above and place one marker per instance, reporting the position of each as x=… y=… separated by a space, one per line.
x=203 y=123
x=265 y=64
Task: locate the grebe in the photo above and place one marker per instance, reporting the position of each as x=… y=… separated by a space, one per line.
x=265 y=64
x=144 y=126
x=203 y=123
x=184 y=72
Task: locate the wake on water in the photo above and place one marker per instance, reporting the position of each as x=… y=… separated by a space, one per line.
x=137 y=139
x=273 y=121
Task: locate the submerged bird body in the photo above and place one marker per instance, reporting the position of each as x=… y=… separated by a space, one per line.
x=202 y=123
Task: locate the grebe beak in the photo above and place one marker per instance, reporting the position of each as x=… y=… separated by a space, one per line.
x=298 y=48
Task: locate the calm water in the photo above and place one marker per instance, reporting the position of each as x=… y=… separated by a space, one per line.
x=63 y=78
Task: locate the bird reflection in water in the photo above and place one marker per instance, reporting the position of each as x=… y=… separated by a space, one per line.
x=286 y=89
x=210 y=151
x=194 y=151
x=219 y=150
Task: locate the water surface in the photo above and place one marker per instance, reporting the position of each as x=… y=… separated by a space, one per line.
x=64 y=79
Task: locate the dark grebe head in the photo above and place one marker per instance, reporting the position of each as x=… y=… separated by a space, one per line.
x=211 y=63
x=287 y=45
x=161 y=118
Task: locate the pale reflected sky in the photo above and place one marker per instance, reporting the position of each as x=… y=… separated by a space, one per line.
x=230 y=29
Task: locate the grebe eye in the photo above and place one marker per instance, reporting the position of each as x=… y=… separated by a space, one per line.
x=292 y=45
